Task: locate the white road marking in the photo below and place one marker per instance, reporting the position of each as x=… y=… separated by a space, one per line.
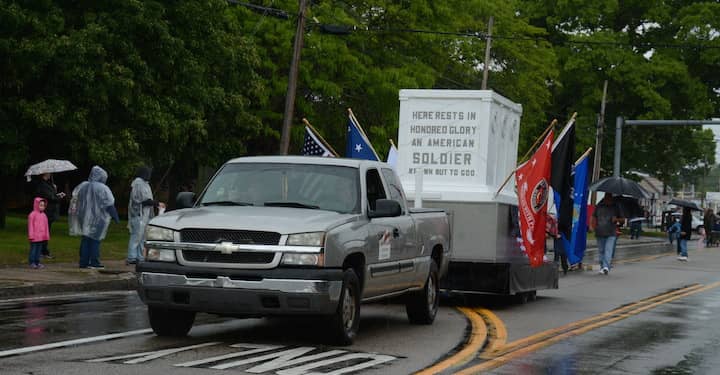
x=63 y=344
x=148 y=356
x=375 y=359
x=292 y=361
x=255 y=349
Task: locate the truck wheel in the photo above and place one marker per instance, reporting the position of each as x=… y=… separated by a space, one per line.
x=422 y=306
x=522 y=297
x=346 y=320
x=167 y=322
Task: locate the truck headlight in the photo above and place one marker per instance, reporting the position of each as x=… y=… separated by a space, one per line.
x=303 y=259
x=154 y=233
x=306 y=239
x=160 y=255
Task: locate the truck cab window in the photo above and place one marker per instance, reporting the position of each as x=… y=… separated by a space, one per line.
x=394 y=186
x=375 y=189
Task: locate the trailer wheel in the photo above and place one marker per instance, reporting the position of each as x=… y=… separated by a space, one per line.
x=168 y=322
x=346 y=320
x=532 y=295
x=522 y=297
x=422 y=306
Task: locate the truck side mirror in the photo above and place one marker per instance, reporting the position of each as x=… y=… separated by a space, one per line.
x=185 y=199
x=385 y=208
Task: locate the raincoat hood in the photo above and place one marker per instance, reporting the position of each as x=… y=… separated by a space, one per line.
x=36 y=204
x=98 y=174
x=144 y=172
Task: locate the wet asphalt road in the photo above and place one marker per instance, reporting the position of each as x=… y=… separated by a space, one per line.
x=679 y=335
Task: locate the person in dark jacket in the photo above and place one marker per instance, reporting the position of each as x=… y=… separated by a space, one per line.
x=708 y=223
x=46 y=189
x=685 y=231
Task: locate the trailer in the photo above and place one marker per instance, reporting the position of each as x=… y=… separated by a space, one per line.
x=455 y=149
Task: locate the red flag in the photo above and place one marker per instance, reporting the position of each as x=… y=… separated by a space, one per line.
x=532 y=179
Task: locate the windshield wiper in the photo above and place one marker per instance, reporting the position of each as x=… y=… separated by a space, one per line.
x=290 y=204
x=226 y=203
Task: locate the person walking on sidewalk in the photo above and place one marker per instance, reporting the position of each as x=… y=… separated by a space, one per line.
x=92 y=208
x=674 y=232
x=604 y=223
x=685 y=233
x=38 y=232
x=45 y=188
x=708 y=223
x=141 y=208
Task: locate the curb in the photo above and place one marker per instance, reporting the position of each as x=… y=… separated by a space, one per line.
x=30 y=289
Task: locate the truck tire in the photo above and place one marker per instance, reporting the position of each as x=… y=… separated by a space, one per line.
x=346 y=320
x=422 y=306
x=168 y=322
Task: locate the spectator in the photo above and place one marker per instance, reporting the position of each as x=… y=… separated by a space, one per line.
x=45 y=188
x=141 y=208
x=708 y=223
x=560 y=255
x=674 y=233
x=685 y=233
x=38 y=232
x=91 y=210
x=604 y=222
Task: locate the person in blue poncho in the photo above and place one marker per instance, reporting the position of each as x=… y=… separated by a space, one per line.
x=91 y=209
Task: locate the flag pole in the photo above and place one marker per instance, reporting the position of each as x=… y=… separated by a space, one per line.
x=537 y=141
x=584 y=155
x=325 y=143
x=352 y=116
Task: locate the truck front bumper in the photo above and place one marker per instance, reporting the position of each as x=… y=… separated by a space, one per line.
x=233 y=296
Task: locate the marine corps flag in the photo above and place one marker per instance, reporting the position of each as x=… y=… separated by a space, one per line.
x=532 y=179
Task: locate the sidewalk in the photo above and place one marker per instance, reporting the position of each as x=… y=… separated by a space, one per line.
x=21 y=281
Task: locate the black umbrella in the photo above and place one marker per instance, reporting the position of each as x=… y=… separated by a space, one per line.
x=629 y=207
x=620 y=186
x=688 y=204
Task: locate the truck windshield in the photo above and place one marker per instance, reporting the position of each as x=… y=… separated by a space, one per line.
x=324 y=187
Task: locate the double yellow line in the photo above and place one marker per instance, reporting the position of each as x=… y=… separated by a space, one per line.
x=488 y=337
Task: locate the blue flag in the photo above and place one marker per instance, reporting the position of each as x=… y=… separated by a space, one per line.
x=578 y=239
x=358 y=146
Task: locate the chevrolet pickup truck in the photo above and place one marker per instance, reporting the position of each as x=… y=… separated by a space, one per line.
x=293 y=235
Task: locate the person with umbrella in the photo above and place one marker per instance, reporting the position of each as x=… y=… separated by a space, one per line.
x=46 y=189
x=685 y=233
x=604 y=222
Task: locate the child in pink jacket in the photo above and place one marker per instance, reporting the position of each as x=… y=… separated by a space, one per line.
x=38 y=231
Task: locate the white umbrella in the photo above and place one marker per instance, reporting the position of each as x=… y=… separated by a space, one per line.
x=49 y=166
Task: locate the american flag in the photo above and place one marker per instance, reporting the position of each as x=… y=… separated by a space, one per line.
x=313 y=146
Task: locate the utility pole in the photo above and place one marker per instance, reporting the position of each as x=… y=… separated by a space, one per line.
x=598 y=141
x=488 y=43
x=292 y=80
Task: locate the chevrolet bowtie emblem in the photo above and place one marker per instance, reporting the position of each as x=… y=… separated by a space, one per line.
x=225 y=247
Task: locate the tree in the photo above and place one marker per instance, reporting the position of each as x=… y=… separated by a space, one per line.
x=645 y=51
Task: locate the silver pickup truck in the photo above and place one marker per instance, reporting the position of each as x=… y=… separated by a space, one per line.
x=293 y=235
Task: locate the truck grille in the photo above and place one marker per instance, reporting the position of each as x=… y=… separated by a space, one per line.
x=234 y=236
x=245 y=257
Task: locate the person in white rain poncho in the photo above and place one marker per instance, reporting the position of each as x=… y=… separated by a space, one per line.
x=91 y=208
x=141 y=208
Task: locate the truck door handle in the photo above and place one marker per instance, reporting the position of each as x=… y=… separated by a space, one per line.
x=396 y=232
